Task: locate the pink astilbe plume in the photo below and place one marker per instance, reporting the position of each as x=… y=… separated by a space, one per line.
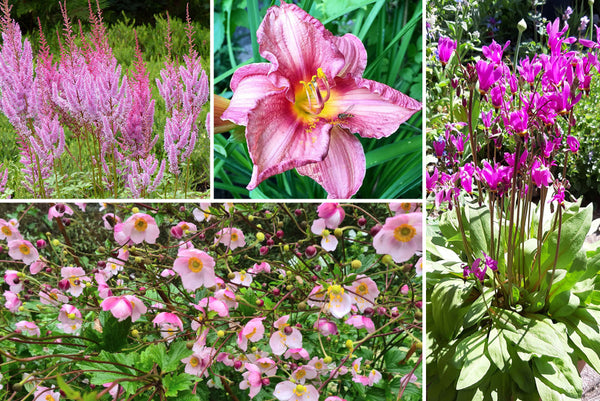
x=185 y=90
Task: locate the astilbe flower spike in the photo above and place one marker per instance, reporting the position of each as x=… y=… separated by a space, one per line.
x=301 y=109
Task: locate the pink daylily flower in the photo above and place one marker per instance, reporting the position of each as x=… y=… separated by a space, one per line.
x=301 y=109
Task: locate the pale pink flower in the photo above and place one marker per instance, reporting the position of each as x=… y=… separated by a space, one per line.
x=296 y=109
x=266 y=366
x=316 y=296
x=230 y=237
x=288 y=391
x=11 y=277
x=361 y=322
x=187 y=227
x=52 y=296
x=364 y=291
x=138 y=308
x=332 y=213
x=400 y=237
x=251 y=379
x=214 y=305
x=260 y=267
x=303 y=373
x=339 y=301
x=9 y=231
x=111 y=220
x=20 y=249
x=59 y=210
x=329 y=241
x=169 y=324
x=296 y=353
x=199 y=361
x=76 y=277
x=285 y=337
x=70 y=318
x=81 y=206
x=45 y=394
x=120 y=307
x=103 y=289
x=408 y=378
x=12 y=301
x=29 y=328
x=404 y=207
x=320 y=366
x=196 y=269
x=242 y=278
x=227 y=296
x=37 y=267
x=141 y=227
x=404 y=289
x=419 y=267
x=374 y=377
x=202 y=213
x=335 y=398
x=252 y=331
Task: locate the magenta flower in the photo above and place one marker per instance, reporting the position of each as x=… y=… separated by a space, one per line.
x=446 y=47
x=400 y=237
x=300 y=110
x=488 y=75
x=196 y=269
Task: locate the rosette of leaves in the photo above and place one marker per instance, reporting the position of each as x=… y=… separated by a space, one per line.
x=515 y=335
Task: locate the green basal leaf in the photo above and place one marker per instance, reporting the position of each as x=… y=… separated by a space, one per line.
x=547 y=393
x=558 y=374
x=496 y=348
x=447 y=301
x=563 y=304
x=478 y=308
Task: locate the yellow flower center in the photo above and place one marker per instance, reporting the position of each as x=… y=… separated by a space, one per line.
x=299 y=390
x=194 y=361
x=49 y=398
x=336 y=289
x=406 y=206
x=300 y=374
x=362 y=289
x=184 y=227
x=318 y=365
x=24 y=249
x=140 y=224
x=264 y=365
x=53 y=296
x=195 y=264
x=404 y=232
x=6 y=231
x=234 y=237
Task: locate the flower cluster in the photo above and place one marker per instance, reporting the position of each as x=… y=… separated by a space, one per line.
x=85 y=90
x=215 y=294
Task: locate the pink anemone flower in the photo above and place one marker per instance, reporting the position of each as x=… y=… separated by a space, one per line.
x=21 y=249
x=29 y=328
x=288 y=391
x=400 y=237
x=230 y=237
x=196 y=269
x=252 y=331
x=301 y=109
x=140 y=227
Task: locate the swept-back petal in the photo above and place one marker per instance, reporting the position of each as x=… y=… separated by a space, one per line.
x=249 y=83
x=354 y=53
x=278 y=141
x=297 y=45
x=375 y=110
x=341 y=173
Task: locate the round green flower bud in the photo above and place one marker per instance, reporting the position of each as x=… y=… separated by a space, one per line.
x=356 y=264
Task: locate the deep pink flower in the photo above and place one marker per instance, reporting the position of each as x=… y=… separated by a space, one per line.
x=326 y=327
x=400 y=237
x=494 y=51
x=332 y=213
x=573 y=144
x=299 y=110
x=196 y=269
x=488 y=75
x=446 y=47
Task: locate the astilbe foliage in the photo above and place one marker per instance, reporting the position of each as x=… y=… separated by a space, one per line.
x=109 y=114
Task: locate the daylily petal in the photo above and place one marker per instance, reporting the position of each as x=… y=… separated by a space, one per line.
x=375 y=109
x=249 y=83
x=341 y=173
x=297 y=45
x=355 y=54
x=278 y=142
